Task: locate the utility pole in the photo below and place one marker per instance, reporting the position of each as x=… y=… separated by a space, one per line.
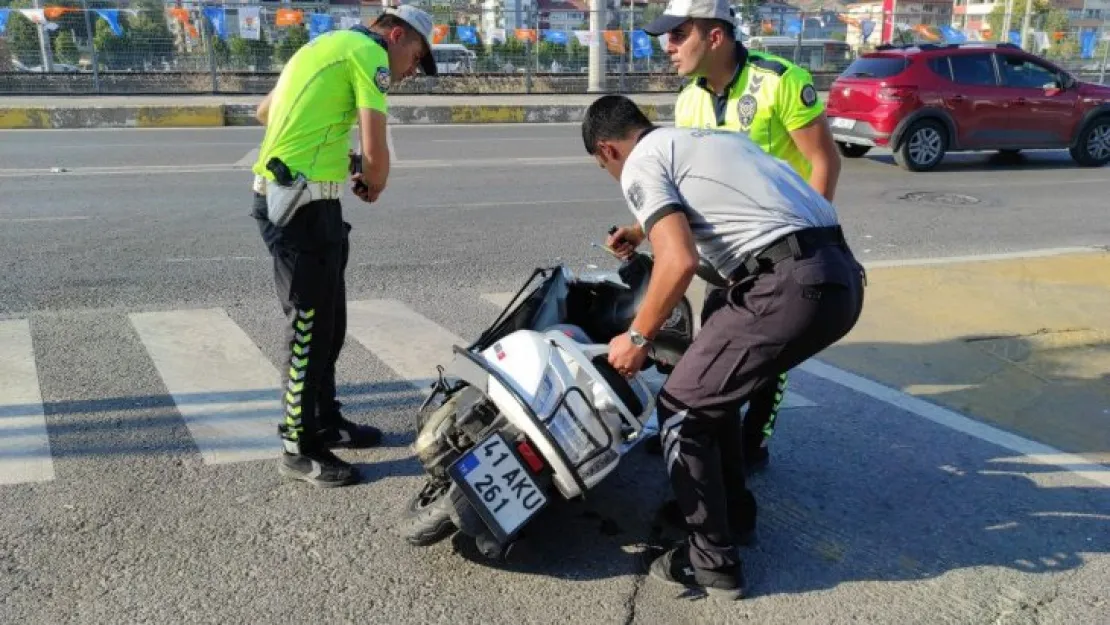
x=597 y=51
x=44 y=44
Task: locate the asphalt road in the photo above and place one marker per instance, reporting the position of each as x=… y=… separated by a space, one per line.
x=869 y=512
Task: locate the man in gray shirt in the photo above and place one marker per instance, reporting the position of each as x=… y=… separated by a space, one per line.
x=794 y=289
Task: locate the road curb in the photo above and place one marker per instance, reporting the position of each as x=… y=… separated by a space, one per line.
x=215 y=115
x=13 y=118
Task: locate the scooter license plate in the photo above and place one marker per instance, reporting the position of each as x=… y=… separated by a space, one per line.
x=498 y=486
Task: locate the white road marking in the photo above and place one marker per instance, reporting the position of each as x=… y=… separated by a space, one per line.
x=407 y=342
x=248 y=159
x=24 y=441
x=226 y=390
x=28 y=220
x=216 y=259
x=942 y=260
x=128 y=170
x=1032 y=451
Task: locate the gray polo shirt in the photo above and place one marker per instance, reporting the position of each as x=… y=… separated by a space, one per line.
x=737 y=198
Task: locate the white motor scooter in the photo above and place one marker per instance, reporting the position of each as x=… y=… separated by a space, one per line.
x=533 y=410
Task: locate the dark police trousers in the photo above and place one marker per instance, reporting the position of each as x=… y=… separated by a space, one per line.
x=764 y=324
x=310 y=257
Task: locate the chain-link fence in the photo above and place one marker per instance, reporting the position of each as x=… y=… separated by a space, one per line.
x=482 y=46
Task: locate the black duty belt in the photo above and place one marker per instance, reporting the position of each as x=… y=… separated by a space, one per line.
x=797 y=244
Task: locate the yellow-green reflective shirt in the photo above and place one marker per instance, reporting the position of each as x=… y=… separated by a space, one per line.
x=316 y=100
x=767 y=99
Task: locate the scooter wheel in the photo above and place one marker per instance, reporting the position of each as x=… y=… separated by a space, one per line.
x=427 y=517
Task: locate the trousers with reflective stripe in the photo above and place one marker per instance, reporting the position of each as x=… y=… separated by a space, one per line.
x=310 y=258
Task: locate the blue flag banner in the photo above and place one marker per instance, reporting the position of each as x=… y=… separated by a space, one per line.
x=466 y=34
x=793 y=27
x=1015 y=37
x=218 y=17
x=641 y=45
x=555 y=36
x=3 y=20
x=1088 y=39
x=318 y=24
x=951 y=35
x=112 y=17
x=866 y=28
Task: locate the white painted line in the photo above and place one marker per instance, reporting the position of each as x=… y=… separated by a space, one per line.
x=127 y=170
x=942 y=260
x=407 y=342
x=24 y=441
x=216 y=259
x=1033 y=452
x=28 y=220
x=248 y=159
x=500 y=139
x=226 y=390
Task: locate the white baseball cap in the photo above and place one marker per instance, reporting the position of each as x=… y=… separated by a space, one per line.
x=421 y=22
x=679 y=11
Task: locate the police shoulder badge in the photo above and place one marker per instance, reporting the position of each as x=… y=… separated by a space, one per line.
x=746 y=109
x=809 y=95
x=381 y=79
x=636 y=195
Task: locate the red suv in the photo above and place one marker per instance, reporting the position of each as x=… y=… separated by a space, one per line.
x=925 y=100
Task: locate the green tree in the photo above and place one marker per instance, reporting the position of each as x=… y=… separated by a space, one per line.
x=65 y=49
x=23 y=39
x=251 y=52
x=296 y=36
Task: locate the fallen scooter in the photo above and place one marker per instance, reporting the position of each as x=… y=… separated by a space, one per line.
x=532 y=410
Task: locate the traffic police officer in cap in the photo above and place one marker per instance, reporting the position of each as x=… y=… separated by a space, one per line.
x=337 y=80
x=794 y=289
x=771 y=100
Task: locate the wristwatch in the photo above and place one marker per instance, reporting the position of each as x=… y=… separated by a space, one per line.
x=639 y=340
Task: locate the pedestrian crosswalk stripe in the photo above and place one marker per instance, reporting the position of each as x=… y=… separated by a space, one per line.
x=225 y=388
x=24 y=441
x=405 y=341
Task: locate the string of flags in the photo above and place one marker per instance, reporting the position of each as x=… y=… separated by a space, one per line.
x=250 y=27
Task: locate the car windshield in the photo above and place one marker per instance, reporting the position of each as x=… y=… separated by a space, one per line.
x=876 y=67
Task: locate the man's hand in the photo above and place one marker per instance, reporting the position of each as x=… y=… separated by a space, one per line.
x=816 y=143
x=363 y=190
x=625 y=357
x=625 y=240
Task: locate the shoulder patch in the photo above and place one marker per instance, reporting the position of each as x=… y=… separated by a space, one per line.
x=770 y=65
x=809 y=95
x=636 y=195
x=382 y=79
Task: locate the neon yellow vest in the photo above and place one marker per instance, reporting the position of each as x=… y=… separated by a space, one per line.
x=767 y=99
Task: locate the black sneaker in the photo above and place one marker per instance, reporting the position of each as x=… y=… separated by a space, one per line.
x=318 y=467
x=743 y=533
x=674 y=567
x=343 y=434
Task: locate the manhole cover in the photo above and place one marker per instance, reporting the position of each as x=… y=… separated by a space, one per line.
x=936 y=197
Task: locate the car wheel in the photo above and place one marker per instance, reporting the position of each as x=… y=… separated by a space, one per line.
x=924 y=146
x=851 y=150
x=1093 y=147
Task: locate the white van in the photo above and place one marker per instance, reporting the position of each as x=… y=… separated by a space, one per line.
x=453 y=58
